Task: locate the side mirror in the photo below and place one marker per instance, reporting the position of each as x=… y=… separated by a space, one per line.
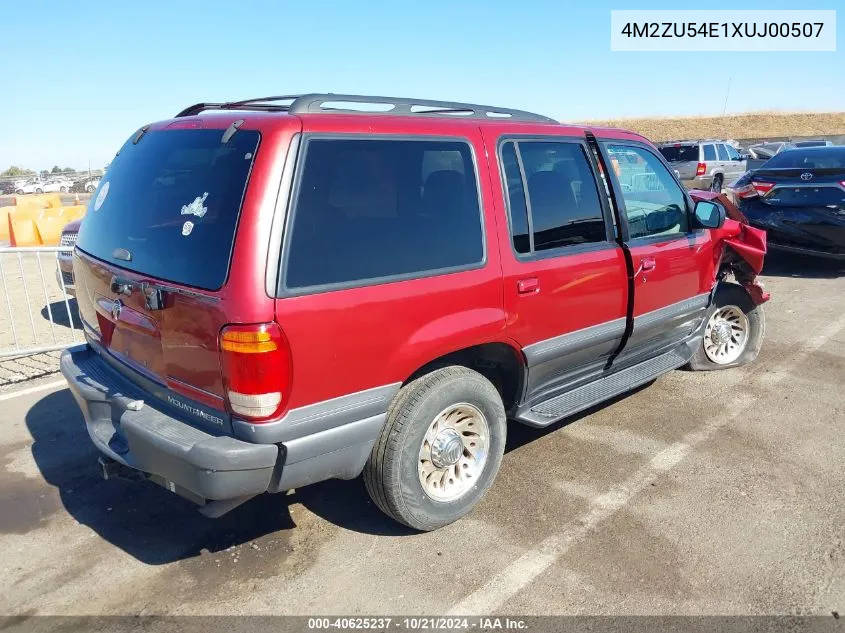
x=709 y=215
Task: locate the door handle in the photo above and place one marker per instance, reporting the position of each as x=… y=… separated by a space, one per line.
x=648 y=263
x=528 y=286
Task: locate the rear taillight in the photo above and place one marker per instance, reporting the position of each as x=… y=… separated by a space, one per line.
x=701 y=169
x=256 y=369
x=762 y=188
x=842 y=182
x=753 y=189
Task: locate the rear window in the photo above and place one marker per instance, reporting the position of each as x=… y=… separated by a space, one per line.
x=171 y=202
x=370 y=211
x=821 y=158
x=709 y=152
x=679 y=153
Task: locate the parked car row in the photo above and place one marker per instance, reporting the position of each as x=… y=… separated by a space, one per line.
x=427 y=274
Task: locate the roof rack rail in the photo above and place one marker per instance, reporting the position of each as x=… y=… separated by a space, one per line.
x=340 y=103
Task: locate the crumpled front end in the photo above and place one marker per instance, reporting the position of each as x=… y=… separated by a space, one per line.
x=743 y=247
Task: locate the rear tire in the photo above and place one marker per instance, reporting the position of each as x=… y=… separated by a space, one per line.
x=440 y=449
x=716 y=185
x=19 y=192
x=63 y=189
x=39 y=191
x=733 y=333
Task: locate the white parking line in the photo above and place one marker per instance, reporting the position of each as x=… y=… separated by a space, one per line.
x=530 y=565
x=25 y=392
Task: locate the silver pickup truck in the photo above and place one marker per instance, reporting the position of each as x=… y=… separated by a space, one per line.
x=709 y=164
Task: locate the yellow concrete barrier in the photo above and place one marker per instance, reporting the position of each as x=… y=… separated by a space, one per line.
x=4 y=222
x=49 y=230
x=38 y=201
x=23 y=232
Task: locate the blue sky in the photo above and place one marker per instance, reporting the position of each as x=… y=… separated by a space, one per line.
x=85 y=75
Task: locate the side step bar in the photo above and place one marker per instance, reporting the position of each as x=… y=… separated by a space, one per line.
x=567 y=404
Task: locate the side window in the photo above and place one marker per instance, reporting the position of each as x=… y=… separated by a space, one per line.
x=709 y=152
x=368 y=210
x=563 y=207
x=732 y=153
x=723 y=153
x=654 y=203
x=516 y=200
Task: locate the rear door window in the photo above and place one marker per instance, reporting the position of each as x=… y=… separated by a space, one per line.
x=169 y=205
x=370 y=211
x=557 y=204
x=709 y=152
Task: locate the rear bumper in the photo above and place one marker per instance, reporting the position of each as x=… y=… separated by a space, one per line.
x=307 y=446
x=147 y=440
x=699 y=182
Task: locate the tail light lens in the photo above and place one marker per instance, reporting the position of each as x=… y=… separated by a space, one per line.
x=762 y=188
x=256 y=369
x=701 y=169
x=753 y=189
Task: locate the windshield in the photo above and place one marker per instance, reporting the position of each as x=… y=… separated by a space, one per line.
x=169 y=205
x=817 y=158
x=678 y=153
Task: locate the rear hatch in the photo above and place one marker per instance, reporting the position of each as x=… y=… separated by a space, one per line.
x=153 y=254
x=682 y=157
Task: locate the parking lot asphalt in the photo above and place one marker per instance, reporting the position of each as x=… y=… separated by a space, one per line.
x=701 y=493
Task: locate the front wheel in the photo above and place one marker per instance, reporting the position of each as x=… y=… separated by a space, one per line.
x=39 y=191
x=733 y=333
x=63 y=189
x=19 y=192
x=440 y=449
x=89 y=188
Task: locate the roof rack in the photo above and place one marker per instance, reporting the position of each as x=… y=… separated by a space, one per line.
x=340 y=103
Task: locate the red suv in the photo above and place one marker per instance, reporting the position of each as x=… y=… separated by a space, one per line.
x=285 y=290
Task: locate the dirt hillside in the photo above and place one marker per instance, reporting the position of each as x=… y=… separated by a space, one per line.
x=737 y=126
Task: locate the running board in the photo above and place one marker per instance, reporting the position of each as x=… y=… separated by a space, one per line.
x=566 y=404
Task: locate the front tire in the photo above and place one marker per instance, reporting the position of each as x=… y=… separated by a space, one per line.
x=39 y=191
x=733 y=332
x=63 y=189
x=19 y=192
x=440 y=449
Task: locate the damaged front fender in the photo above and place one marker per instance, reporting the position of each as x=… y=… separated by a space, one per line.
x=740 y=249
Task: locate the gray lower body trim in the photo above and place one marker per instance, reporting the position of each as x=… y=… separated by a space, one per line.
x=569 y=357
x=574 y=342
x=340 y=453
x=666 y=326
x=319 y=417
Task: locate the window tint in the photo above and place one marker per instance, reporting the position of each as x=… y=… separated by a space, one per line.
x=563 y=196
x=679 y=153
x=709 y=152
x=172 y=200
x=516 y=199
x=723 y=153
x=654 y=203
x=371 y=209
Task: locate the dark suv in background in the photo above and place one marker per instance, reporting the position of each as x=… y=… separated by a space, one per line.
x=284 y=290
x=709 y=164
